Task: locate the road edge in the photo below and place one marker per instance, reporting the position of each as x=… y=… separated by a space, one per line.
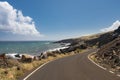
x=36 y=70
x=25 y=78
x=100 y=66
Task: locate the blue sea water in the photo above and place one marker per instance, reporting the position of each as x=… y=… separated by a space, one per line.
x=30 y=47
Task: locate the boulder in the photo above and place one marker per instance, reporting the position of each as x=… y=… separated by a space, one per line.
x=110 y=53
x=27 y=58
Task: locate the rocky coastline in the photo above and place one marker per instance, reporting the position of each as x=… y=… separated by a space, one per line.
x=108 y=53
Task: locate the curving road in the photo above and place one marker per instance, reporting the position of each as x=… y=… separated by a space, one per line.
x=77 y=67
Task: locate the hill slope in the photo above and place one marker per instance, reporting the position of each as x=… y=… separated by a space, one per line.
x=110 y=53
x=93 y=40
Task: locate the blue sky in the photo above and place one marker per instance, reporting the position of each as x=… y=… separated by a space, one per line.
x=61 y=19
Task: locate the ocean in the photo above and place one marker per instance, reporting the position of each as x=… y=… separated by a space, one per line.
x=29 y=47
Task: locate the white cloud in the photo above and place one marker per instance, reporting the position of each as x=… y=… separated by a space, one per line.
x=114 y=26
x=13 y=21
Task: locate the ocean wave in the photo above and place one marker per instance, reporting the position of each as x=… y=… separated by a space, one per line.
x=56 y=49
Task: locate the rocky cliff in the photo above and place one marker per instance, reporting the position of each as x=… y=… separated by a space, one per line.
x=108 y=44
x=110 y=53
x=93 y=40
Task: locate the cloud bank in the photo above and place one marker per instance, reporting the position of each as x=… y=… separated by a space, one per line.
x=13 y=21
x=114 y=26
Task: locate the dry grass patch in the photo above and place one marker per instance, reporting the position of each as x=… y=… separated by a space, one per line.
x=13 y=73
x=92 y=56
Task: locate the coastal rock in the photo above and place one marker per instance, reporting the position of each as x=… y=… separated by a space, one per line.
x=117 y=31
x=27 y=58
x=108 y=44
x=104 y=38
x=13 y=56
x=65 y=41
x=3 y=61
x=97 y=40
x=44 y=55
x=73 y=48
x=12 y=62
x=51 y=54
x=110 y=53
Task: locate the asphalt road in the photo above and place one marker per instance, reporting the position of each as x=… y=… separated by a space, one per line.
x=77 y=67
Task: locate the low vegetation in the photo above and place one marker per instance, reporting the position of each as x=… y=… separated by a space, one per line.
x=18 y=69
x=108 y=54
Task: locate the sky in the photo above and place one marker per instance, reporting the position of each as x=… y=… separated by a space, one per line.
x=56 y=19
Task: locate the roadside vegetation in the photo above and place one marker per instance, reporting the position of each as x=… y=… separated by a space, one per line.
x=16 y=69
x=108 y=54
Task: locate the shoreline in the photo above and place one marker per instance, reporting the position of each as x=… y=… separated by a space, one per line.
x=15 y=72
x=32 y=47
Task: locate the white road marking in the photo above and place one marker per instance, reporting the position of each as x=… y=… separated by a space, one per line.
x=101 y=66
x=39 y=68
x=35 y=71
x=118 y=75
x=111 y=72
x=96 y=63
x=51 y=61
